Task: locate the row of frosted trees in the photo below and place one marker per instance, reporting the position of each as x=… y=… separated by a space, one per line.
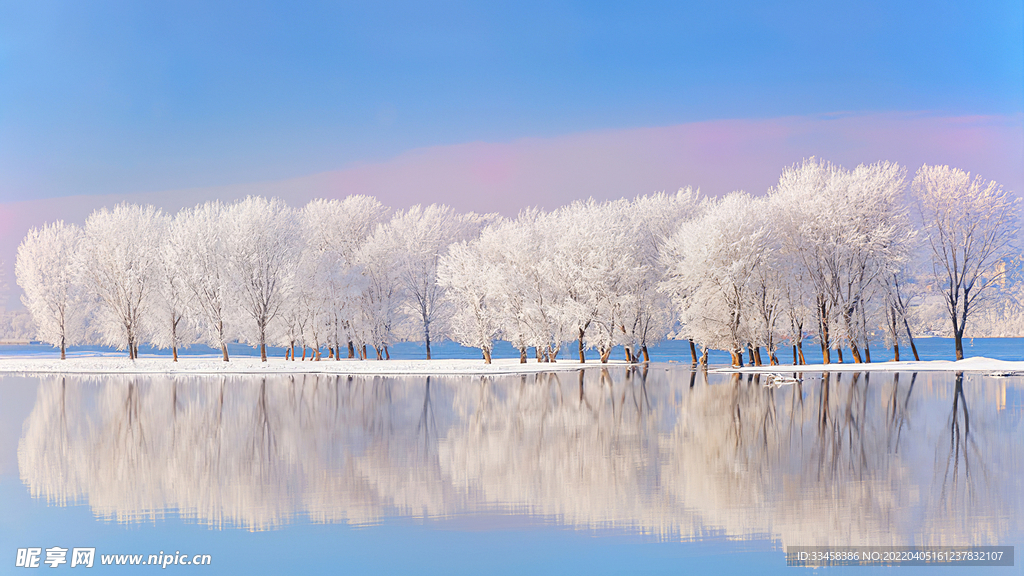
x=827 y=253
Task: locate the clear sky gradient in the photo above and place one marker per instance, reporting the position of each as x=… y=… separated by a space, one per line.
x=127 y=97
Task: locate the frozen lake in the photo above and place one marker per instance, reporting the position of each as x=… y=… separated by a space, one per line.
x=602 y=472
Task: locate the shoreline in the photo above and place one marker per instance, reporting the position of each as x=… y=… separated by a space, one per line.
x=279 y=366
x=973 y=364
x=102 y=364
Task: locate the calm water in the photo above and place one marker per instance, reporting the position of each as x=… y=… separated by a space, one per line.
x=613 y=471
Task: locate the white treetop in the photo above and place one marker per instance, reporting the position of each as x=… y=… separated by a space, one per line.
x=46 y=269
x=120 y=250
x=262 y=245
x=206 y=273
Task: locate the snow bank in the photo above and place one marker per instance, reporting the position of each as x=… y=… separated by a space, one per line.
x=976 y=364
x=103 y=364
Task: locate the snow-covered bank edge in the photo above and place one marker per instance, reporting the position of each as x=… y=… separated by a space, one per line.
x=976 y=364
x=247 y=365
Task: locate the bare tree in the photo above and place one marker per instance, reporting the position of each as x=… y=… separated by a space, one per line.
x=970 y=225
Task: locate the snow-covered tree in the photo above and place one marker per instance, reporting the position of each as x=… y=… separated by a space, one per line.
x=845 y=228
x=469 y=275
x=167 y=325
x=418 y=237
x=647 y=316
x=970 y=225
x=120 y=249
x=710 y=264
x=206 y=273
x=262 y=244
x=46 y=270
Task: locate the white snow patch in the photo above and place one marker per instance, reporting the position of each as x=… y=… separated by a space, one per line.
x=101 y=364
x=975 y=364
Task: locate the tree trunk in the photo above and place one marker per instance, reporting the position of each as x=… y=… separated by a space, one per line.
x=62 y=356
x=174 y=352
x=605 y=354
x=913 y=347
x=757 y=356
x=629 y=355
x=224 y=351
x=364 y=352
x=303 y=351
x=647 y=357
x=839 y=352
x=750 y=354
x=263 y=351
x=330 y=352
x=794 y=355
x=387 y=355
x=800 y=351
x=856 y=353
x=351 y=350
x=693 y=353
x=896 y=349
x=958 y=336
x=487 y=355
x=583 y=359
x=428 y=348
x=867 y=352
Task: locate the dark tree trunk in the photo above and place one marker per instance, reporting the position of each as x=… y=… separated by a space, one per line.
x=867 y=352
x=351 y=350
x=428 y=348
x=794 y=355
x=263 y=352
x=522 y=355
x=913 y=347
x=693 y=353
x=583 y=359
x=224 y=351
x=757 y=356
x=896 y=349
x=856 y=352
x=839 y=352
x=62 y=355
x=174 y=352
x=387 y=355
x=647 y=357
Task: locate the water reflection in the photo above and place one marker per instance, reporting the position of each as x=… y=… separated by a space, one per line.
x=886 y=459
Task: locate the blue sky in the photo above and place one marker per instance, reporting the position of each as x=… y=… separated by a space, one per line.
x=119 y=97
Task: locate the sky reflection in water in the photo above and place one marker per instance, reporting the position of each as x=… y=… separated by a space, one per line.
x=612 y=465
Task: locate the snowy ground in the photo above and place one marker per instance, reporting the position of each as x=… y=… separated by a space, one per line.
x=100 y=363
x=976 y=364
x=104 y=364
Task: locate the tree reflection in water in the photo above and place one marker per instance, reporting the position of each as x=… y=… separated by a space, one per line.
x=831 y=459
